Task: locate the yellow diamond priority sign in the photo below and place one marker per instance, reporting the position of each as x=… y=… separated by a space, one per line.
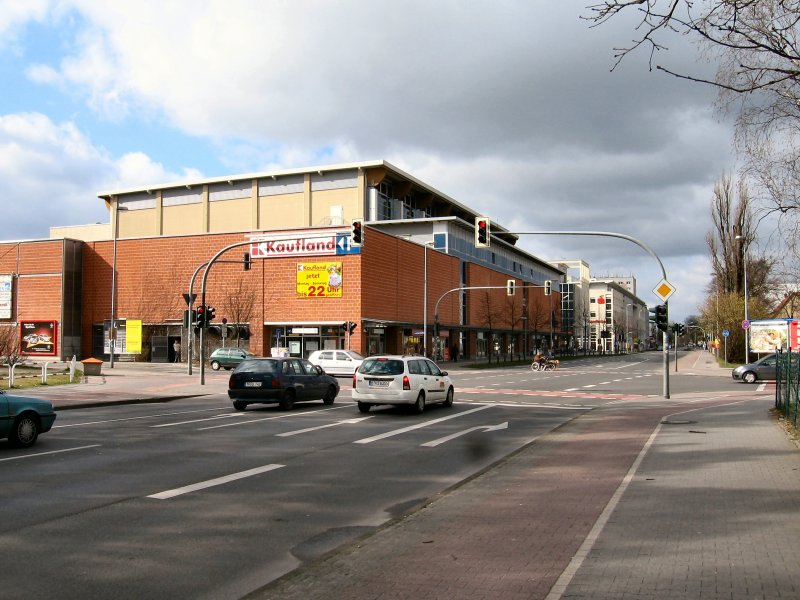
x=664 y=290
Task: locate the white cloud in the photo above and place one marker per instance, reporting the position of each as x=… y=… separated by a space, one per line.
x=508 y=107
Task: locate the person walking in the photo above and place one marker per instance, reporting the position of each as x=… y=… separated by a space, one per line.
x=176 y=346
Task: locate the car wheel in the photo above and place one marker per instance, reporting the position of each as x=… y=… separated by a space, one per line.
x=419 y=405
x=330 y=395
x=239 y=405
x=24 y=431
x=448 y=401
x=287 y=402
x=215 y=365
x=364 y=407
x=749 y=377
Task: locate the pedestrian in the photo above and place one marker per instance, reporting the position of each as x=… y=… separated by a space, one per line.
x=454 y=353
x=176 y=346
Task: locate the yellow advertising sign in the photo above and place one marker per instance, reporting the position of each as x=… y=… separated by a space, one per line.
x=319 y=280
x=133 y=336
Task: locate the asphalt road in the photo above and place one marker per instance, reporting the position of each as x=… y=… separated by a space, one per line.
x=191 y=499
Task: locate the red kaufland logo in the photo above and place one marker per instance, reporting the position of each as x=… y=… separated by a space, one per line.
x=294 y=246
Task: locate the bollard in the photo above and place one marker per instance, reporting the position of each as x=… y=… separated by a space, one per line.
x=44 y=372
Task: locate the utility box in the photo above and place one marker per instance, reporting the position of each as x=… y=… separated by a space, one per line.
x=92 y=366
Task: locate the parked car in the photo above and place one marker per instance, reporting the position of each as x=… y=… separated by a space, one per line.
x=228 y=358
x=761 y=369
x=281 y=380
x=410 y=380
x=337 y=362
x=22 y=419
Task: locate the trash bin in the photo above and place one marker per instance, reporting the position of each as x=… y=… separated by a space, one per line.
x=92 y=366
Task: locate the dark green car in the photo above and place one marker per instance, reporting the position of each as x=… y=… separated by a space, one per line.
x=228 y=358
x=22 y=419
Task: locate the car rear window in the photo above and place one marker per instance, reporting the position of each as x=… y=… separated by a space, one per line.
x=382 y=367
x=257 y=366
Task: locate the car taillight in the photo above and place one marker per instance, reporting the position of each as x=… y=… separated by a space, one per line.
x=276 y=383
x=406 y=383
x=354 y=381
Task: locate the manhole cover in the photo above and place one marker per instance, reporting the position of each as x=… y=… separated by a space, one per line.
x=673 y=422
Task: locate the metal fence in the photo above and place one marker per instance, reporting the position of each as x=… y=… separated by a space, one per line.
x=787 y=385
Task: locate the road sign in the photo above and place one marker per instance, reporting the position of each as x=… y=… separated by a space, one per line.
x=664 y=290
x=725 y=333
x=745 y=324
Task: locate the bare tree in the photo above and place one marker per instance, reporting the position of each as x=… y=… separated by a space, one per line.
x=10 y=346
x=238 y=304
x=730 y=243
x=755 y=46
x=756 y=40
x=490 y=314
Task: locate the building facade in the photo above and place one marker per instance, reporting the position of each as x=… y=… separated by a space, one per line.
x=618 y=320
x=418 y=283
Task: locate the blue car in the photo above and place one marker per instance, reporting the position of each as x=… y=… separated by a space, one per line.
x=22 y=419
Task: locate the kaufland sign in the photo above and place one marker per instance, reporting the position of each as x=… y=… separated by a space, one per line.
x=301 y=243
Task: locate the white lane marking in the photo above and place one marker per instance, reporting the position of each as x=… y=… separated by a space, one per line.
x=394 y=432
x=214 y=418
x=213 y=482
x=310 y=429
x=185 y=412
x=452 y=436
x=49 y=452
x=283 y=416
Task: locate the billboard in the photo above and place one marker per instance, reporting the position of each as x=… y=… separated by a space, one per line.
x=772 y=335
x=38 y=338
x=6 y=286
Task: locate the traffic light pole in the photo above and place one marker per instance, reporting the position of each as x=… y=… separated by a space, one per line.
x=644 y=247
x=203 y=301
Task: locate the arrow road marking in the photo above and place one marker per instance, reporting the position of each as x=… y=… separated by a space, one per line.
x=486 y=428
x=345 y=422
x=389 y=434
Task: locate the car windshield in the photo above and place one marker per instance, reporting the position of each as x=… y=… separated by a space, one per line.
x=382 y=366
x=354 y=355
x=257 y=366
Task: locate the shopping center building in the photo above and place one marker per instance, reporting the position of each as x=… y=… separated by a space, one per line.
x=417 y=282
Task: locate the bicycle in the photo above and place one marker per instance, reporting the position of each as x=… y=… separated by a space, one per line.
x=545 y=365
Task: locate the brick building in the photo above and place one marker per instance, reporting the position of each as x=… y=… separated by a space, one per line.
x=305 y=281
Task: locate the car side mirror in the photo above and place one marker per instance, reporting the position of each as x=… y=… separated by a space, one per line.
x=319 y=369
x=444 y=373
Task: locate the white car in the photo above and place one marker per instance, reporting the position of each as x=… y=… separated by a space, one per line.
x=337 y=362
x=413 y=380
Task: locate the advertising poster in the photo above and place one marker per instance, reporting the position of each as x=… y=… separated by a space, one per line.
x=118 y=334
x=319 y=280
x=133 y=337
x=6 y=283
x=38 y=338
x=769 y=335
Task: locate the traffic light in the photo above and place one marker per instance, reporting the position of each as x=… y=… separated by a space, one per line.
x=246 y=261
x=210 y=312
x=548 y=287
x=511 y=287
x=662 y=321
x=351 y=327
x=357 y=232
x=482 y=232
x=201 y=317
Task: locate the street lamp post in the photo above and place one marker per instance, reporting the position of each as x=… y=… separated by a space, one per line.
x=425 y=299
x=112 y=331
x=746 y=311
x=627 y=329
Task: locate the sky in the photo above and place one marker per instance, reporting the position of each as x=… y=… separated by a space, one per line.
x=511 y=107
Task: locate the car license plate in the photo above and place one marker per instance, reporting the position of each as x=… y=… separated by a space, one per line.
x=378 y=383
x=252 y=384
